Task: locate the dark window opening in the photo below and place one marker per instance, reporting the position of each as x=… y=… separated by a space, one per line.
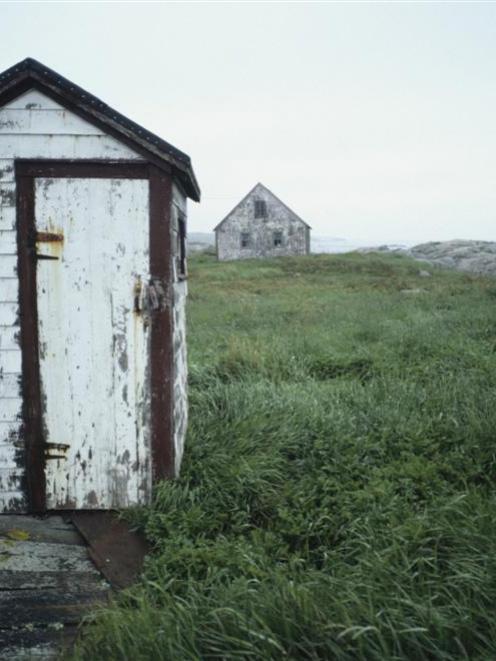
x=260 y=209
x=181 y=246
x=245 y=239
x=277 y=239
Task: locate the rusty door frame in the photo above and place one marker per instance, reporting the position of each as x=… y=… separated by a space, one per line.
x=160 y=356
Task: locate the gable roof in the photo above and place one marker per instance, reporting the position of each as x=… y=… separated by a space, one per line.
x=30 y=74
x=259 y=184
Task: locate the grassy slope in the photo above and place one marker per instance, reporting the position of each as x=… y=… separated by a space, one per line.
x=337 y=498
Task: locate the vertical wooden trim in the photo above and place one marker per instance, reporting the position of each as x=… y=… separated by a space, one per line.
x=161 y=350
x=161 y=330
x=31 y=392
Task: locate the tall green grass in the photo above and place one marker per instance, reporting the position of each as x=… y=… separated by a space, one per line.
x=337 y=493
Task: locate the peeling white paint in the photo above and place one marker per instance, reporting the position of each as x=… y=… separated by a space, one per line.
x=34 y=126
x=9 y=337
x=11 y=409
x=42 y=120
x=7 y=218
x=9 y=292
x=180 y=292
x=33 y=99
x=10 y=386
x=64 y=146
x=93 y=345
x=8 y=455
x=10 y=361
x=8 y=267
x=8 y=243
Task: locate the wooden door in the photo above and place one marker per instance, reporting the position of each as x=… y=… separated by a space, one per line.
x=91 y=258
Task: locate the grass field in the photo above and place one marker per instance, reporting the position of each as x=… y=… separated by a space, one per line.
x=337 y=495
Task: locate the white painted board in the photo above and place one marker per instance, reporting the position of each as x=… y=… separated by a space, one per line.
x=33 y=99
x=63 y=146
x=39 y=121
x=93 y=346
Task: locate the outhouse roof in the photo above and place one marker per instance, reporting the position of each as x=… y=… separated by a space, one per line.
x=31 y=74
x=250 y=192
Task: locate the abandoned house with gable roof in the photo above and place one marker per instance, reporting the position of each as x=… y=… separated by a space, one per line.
x=261 y=225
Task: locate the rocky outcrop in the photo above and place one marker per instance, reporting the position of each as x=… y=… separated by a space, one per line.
x=469 y=256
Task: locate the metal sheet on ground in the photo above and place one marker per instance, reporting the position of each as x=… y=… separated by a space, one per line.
x=117 y=551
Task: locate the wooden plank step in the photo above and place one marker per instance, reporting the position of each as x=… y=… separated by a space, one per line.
x=40 y=522
x=73 y=581
x=43 y=557
x=34 y=608
x=36 y=643
x=52 y=529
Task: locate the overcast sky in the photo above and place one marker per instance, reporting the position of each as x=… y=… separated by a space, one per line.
x=374 y=122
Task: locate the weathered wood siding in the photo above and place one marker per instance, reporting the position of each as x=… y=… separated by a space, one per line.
x=180 y=291
x=294 y=232
x=93 y=344
x=31 y=126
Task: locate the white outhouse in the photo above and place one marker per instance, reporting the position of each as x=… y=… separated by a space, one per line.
x=92 y=298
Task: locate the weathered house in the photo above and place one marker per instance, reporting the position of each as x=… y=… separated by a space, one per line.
x=261 y=226
x=92 y=298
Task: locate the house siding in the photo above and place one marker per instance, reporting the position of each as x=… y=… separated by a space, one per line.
x=31 y=126
x=180 y=292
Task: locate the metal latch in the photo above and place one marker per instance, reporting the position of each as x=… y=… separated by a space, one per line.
x=56 y=450
x=48 y=237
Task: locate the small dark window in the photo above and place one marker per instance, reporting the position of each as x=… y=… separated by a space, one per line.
x=181 y=246
x=277 y=239
x=260 y=209
x=245 y=239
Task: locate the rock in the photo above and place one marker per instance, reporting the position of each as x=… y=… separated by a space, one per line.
x=397 y=248
x=477 y=257
x=470 y=256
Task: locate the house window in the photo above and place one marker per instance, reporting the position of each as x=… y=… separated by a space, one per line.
x=181 y=246
x=277 y=239
x=260 y=209
x=245 y=239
